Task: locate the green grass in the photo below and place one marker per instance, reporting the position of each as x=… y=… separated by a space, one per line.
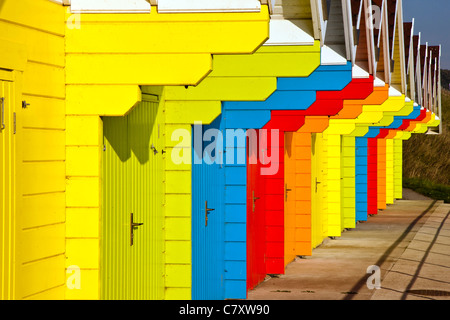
x=426 y=159
x=428 y=188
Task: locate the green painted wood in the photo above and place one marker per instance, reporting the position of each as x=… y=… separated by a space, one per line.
x=132 y=182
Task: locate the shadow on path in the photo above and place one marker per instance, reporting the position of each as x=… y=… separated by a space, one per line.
x=388 y=252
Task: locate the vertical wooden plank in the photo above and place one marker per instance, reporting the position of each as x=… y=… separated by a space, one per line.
x=389 y=171
x=381 y=173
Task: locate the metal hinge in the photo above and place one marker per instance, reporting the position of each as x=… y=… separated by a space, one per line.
x=2 y=102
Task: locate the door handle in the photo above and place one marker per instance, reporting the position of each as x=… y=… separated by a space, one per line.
x=207 y=211
x=132 y=226
x=317 y=183
x=286 y=191
x=154 y=149
x=254 y=200
x=2 y=100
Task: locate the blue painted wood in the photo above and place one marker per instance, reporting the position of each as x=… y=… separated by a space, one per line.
x=361 y=162
x=398 y=120
x=361 y=178
x=208 y=241
x=292 y=94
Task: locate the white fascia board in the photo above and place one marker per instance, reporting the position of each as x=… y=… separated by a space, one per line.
x=330 y=57
x=286 y=33
x=394 y=92
x=173 y=6
x=416 y=104
x=407 y=99
x=378 y=82
x=359 y=73
x=110 y=6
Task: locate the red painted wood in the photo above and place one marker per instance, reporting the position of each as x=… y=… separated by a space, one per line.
x=256 y=268
x=372 y=182
x=270 y=206
x=407 y=122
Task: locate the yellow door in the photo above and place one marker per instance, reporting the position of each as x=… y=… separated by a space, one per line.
x=318 y=218
x=132 y=246
x=289 y=198
x=7 y=186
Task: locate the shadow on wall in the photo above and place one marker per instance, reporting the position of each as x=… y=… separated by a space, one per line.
x=131 y=133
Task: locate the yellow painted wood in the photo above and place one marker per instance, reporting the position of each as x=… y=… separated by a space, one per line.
x=39 y=276
x=143 y=69
x=304 y=60
x=83 y=131
x=233 y=78
x=6 y=75
x=8 y=182
x=178 y=252
x=44 y=80
x=177 y=205
x=319 y=217
x=82 y=161
x=43 y=209
x=177 y=228
x=333 y=179
x=170 y=33
x=51 y=294
x=290 y=156
x=82 y=252
x=32 y=42
x=35 y=45
x=109 y=100
x=89 y=286
x=406 y=135
x=133 y=272
x=43 y=177
x=348 y=206
x=37 y=14
x=182 y=112
x=40 y=243
x=398 y=168
x=225 y=89
x=44 y=145
x=82 y=222
x=389 y=171
x=178 y=293
x=178 y=52
x=160 y=67
x=324 y=192
x=82 y=192
x=179 y=276
x=53 y=109
x=15 y=58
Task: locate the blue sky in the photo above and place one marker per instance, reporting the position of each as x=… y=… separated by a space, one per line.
x=432 y=19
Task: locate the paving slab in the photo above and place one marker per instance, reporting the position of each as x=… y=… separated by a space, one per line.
x=423 y=271
x=397 y=240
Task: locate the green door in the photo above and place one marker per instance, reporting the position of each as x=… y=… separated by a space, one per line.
x=132 y=192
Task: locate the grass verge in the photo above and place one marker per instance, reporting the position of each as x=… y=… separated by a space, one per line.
x=428 y=188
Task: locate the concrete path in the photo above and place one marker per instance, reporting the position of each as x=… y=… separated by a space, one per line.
x=409 y=242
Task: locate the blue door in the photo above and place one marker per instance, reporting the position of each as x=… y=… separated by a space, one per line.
x=208 y=234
